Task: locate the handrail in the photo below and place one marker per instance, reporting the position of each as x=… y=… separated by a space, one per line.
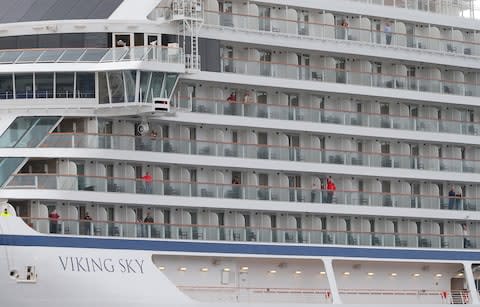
x=93 y=55
x=242 y=191
x=326 y=109
x=344 y=70
x=217 y=232
x=261 y=228
x=289 y=27
x=69 y=144
x=459 y=11
x=370 y=120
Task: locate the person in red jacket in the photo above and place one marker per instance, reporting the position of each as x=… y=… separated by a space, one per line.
x=331 y=188
x=148 y=182
x=53 y=216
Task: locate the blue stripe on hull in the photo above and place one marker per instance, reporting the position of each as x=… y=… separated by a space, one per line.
x=236 y=248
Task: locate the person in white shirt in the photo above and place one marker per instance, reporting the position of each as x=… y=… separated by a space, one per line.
x=387 y=29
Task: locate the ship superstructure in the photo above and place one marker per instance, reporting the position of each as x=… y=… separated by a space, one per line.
x=258 y=151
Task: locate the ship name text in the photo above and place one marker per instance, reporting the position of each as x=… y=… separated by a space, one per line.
x=108 y=265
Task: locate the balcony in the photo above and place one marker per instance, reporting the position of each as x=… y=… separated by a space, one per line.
x=443 y=44
x=158 y=54
x=259 y=151
x=212 y=105
x=261 y=234
x=462 y=8
x=351 y=77
x=314 y=195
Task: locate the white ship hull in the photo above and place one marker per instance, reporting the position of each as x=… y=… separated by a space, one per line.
x=239 y=153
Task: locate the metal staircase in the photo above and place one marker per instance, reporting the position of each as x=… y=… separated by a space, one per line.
x=189 y=14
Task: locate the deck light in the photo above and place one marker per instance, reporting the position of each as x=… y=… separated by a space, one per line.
x=370 y=273
x=204 y=269
x=346 y=273
x=226 y=269
x=393 y=274
x=416 y=274
x=183 y=269
x=272 y=271
x=323 y=273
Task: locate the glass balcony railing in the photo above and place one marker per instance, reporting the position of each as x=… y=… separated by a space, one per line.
x=461 y=8
x=328 y=116
x=258 y=151
x=93 y=55
x=22 y=133
x=251 y=234
x=239 y=191
x=342 y=76
x=441 y=43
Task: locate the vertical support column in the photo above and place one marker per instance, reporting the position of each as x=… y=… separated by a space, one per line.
x=467 y=267
x=138 y=96
x=332 y=281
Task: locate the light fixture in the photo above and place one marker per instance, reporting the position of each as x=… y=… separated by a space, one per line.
x=460 y=275
x=346 y=273
x=323 y=273
x=298 y=272
x=438 y=275
x=272 y=271
x=204 y=269
x=370 y=273
x=183 y=269
x=244 y=268
x=226 y=269
x=161 y=268
x=416 y=274
x=393 y=274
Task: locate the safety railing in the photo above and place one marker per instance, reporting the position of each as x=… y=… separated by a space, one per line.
x=343 y=76
x=303 y=235
x=240 y=191
x=93 y=55
x=419 y=296
x=260 y=151
x=457 y=297
x=461 y=8
x=48 y=94
x=319 y=30
x=257 y=294
x=327 y=115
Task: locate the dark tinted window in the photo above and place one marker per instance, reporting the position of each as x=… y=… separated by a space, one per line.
x=35 y=10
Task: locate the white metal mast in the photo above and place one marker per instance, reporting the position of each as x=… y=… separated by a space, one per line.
x=190 y=16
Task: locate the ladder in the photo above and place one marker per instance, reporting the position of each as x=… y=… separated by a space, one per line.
x=189 y=14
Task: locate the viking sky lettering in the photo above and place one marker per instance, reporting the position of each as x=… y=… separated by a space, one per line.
x=108 y=265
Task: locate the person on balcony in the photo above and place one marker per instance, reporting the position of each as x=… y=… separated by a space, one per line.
x=387 y=29
x=451 y=198
x=331 y=188
x=458 y=200
x=5 y=213
x=149 y=218
x=466 y=235
x=232 y=98
x=53 y=216
x=344 y=26
x=148 y=182
x=87 y=224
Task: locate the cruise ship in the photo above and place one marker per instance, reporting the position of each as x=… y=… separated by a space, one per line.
x=239 y=153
